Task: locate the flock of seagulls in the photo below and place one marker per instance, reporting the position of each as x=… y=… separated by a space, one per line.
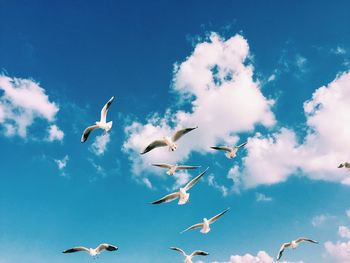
x=182 y=194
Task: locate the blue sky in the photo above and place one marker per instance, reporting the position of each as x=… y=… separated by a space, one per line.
x=61 y=62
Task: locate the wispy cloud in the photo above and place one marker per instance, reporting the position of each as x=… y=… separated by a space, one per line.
x=61 y=164
x=99 y=146
x=222 y=188
x=319 y=220
x=263 y=198
x=55 y=133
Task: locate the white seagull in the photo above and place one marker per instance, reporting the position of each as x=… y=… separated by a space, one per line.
x=188 y=258
x=206 y=223
x=173 y=167
x=293 y=244
x=182 y=193
x=168 y=141
x=93 y=252
x=102 y=124
x=230 y=152
x=345 y=165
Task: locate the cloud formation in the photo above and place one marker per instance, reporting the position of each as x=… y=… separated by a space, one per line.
x=22 y=101
x=216 y=85
x=99 y=146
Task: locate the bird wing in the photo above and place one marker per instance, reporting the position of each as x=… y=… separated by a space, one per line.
x=191 y=183
x=76 y=249
x=167 y=198
x=200 y=253
x=347 y=165
x=181 y=133
x=221 y=148
x=280 y=252
x=241 y=145
x=107 y=247
x=179 y=250
x=155 y=144
x=187 y=167
x=87 y=132
x=162 y=165
x=303 y=239
x=213 y=219
x=105 y=110
x=341 y=165
x=192 y=227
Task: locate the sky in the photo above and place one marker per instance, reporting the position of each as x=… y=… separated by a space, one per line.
x=270 y=73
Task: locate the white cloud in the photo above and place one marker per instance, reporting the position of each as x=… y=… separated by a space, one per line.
x=99 y=146
x=326 y=144
x=319 y=220
x=261 y=257
x=21 y=102
x=348 y=212
x=222 y=188
x=339 y=252
x=61 y=164
x=222 y=97
x=263 y=198
x=344 y=232
x=55 y=133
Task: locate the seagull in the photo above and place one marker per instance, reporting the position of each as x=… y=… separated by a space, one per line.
x=206 y=223
x=182 y=193
x=188 y=258
x=293 y=244
x=230 y=152
x=346 y=165
x=173 y=167
x=102 y=124
x=93 y=252
x=168 y=141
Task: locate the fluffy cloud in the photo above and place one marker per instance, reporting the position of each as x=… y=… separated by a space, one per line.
x=344 y=232
x=263 y=198
x=62 y=163
x=21 y=102
x=55 y=133
x=319 y=220
x=339 y=252
x=261 y=257
x=217 y=87
x=326 y=144
x=99 y=146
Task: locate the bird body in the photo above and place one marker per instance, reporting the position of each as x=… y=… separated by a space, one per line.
x=188 y=258
x=344 y=165
x=293 y=244
x=182 y=193
x=168 y=141
x=101 y=124
x=230 y=152
x=93 y=252
x=205 y=225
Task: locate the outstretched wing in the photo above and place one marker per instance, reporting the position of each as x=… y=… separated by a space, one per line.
x=179 y=250
x=280 y=252
x=199 y=253
x=107 y=247
x=192 y=227
x=241 y=145
x=76 y=249
x=181 y=133
x=304 y=239
x=187 y=167
x=341 y=165
x=87 y=132
x=167 y=198
x=213 y=219
x=155 y=144
x=162 y=165
x=105 y=110
x=191 y=183
x=221 y=148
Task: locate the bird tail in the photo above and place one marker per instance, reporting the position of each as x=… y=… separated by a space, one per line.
x=109 y=124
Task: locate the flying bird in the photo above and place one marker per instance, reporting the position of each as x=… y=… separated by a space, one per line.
x=102 y=124
x=93 y=252
x=206 y=223
x=293 y=244
x=182 y=193
x=173 y=167
x=188 y=258
x=345 y=165
x=229 y=151
x=168 y=141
